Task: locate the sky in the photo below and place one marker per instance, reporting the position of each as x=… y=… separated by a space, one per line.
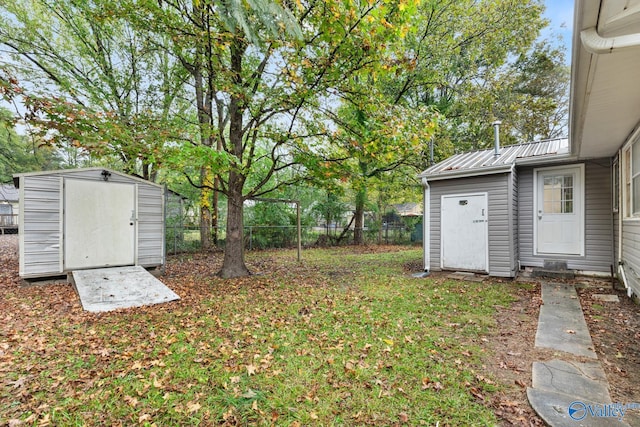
x=560 y=13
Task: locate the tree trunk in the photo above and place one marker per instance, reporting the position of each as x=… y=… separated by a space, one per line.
x=233 y=264
x=205 y=211
x=215 y=223
x=358 y=228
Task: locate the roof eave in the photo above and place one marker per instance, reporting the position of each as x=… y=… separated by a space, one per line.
x=467 y=173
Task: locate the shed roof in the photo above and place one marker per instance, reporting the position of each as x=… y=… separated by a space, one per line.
x=8 y=193
x=80 y=170
x=485 y=162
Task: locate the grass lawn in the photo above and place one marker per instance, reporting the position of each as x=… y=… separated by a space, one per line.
x=347 y=337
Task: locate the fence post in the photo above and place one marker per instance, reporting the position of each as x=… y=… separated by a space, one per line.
x=299 y=231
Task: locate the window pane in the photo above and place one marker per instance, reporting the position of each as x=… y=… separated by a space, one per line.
x=635 y=162
x=568 y=180
x=636 y=194
x=627 y=183
x=558 y=194
x=568 y=206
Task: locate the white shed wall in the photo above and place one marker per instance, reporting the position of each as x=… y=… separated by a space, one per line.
x=41 y=224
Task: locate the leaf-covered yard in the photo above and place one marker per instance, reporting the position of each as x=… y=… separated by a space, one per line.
x=347 y=337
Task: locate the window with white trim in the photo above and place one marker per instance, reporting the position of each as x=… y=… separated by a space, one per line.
x=631 y=179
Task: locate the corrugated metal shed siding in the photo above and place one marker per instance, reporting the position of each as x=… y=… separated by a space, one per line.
x=150 y=225
x=42 y=217
x=501 y=259
x=41 y=225
x=598 y=220
x=631 y=253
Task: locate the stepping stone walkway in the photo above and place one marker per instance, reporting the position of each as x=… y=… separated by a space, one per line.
x=573 y=390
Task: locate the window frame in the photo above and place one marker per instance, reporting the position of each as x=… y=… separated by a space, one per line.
x=630 y=211
x=615 y=185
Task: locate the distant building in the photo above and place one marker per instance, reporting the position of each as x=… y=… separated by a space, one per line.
x=408 y=209
x=9 y=208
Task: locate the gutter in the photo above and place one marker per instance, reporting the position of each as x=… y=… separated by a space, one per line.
x=544 y=160
x=467 y=173
x=598 y=45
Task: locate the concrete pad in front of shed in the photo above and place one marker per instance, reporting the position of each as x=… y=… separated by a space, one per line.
x=106 y=289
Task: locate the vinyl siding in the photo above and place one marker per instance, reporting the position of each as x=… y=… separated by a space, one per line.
x=41 y=220
x=598 y=221
x=500 y=216
x=631 y=253
x=514 y=221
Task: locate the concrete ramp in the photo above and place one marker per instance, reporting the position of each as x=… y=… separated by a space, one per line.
x=106 y=289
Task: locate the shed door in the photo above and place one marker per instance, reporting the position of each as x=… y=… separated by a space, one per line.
x=559 y=214
x=99 y=224
x=464 y=229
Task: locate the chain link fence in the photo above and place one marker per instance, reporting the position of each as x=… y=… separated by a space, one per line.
x=183 y=238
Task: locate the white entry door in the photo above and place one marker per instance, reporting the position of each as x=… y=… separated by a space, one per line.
x=559 y=211
x=99 y=224
x=464 y=232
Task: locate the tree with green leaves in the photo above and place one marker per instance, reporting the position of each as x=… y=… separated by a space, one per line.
x=274 y=70
x=447 y=49
x=87 y=79
x=19 y=153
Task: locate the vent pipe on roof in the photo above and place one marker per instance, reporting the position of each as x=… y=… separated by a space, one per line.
x=496 y=135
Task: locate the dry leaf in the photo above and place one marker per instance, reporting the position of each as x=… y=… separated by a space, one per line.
x=193 y=406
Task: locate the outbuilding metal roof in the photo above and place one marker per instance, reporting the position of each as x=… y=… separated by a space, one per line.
x=486 y=162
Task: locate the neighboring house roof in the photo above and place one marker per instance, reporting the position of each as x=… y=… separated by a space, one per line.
x=409 y=209
x=8 y=193
x=486 y=162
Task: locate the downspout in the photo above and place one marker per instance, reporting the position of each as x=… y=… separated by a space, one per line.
x=426 y=226
x=623 y=275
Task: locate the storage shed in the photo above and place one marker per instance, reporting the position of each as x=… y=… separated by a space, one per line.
x=88 y=218
x=521 y=206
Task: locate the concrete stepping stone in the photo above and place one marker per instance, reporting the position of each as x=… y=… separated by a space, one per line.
x=561 y=324
x=585 y=381
x=563 y=410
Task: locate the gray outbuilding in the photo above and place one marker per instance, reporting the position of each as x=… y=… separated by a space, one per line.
x=501 y=210
x=88 y=218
